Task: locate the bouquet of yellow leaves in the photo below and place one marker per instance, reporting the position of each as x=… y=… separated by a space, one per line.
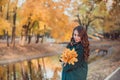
x=69 y=56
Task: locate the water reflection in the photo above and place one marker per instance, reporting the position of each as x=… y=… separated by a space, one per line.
x=53 y=67
x=48 y=68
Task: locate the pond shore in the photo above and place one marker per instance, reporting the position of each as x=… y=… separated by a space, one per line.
x=99 y=69
x=32 y=51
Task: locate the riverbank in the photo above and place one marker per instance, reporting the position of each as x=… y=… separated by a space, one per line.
x=100 y=68
x=28 y=52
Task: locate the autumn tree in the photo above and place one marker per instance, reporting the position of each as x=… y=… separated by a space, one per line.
x=87 y=11
x=111 y=22
x=4 y=23
x=49 y=12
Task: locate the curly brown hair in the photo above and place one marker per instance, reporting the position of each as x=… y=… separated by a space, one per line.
x=84 y=40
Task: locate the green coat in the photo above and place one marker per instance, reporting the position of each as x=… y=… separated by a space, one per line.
x=79 y=70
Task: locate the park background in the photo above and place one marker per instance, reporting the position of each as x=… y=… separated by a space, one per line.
x=34 y=33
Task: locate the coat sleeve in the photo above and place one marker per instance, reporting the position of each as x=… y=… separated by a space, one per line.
x=70 y=67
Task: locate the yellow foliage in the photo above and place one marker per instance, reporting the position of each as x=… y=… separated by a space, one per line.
x=3 y=2
x=69 y=56
x=4 y=25
x=47 y=13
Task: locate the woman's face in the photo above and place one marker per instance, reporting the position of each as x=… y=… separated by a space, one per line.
x=76 y=36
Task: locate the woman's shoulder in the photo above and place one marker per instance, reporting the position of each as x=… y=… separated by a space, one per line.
x=69 y=45
x=76 y=46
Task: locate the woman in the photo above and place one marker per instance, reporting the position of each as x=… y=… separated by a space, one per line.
x=80 y=43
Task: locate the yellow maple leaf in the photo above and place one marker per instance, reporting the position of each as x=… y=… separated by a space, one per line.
x=69 y=56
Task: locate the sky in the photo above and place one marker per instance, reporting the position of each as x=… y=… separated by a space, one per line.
x=109 y=4
x=20 y=2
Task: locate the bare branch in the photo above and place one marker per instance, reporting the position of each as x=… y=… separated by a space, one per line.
x=79 y=21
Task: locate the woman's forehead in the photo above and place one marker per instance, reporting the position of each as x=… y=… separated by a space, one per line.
x=76 y=32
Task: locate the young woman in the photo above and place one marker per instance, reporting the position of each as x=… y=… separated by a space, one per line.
x=80 y=43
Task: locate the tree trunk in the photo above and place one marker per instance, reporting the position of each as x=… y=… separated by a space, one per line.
x=24 y=73
x=13 y=36
x=39 y=71
x=22 y=42
x=29 y=39
x=8 y=72
x=28 y=28
x=42 y=39
x=30 y=69
x=0 y=8
x=1 y=11
x=14 y=16
x=23 y=35
x=37 y=38
x=7 y=16
x=14 y=28
x=14 y=72
x=7 y=39
x=4 y=34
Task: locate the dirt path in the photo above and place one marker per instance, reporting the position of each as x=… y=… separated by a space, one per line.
x=101 y=68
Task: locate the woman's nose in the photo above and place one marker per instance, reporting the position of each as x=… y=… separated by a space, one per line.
x=75 y=36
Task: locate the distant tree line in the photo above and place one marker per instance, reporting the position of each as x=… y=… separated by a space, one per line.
x=114 y=35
